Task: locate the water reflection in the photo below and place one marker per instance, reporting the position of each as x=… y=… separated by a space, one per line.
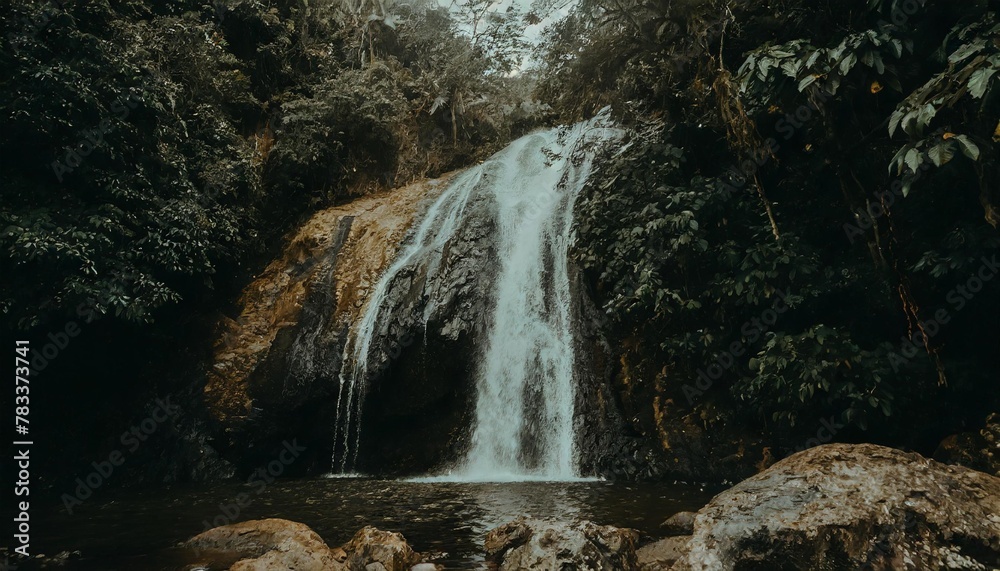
x=137 y=530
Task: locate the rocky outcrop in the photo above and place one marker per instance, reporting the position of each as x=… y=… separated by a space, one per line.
x=372 y=549
x=977 y=450
x=681 y=523
x=539 y=544
x=282 y=545
x=268 y=544
x=276 y=366
x=843 y=506
x=661 y=555
x=434 y=316
x=403 y=287
x=611 y=449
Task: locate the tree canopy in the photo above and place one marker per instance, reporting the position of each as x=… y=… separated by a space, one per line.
x=839 y=159
x=154 y=150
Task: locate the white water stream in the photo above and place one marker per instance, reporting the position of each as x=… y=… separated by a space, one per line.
x=525 y=384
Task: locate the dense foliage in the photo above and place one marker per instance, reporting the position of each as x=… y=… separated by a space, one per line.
x=154 y=149
x=810 y=204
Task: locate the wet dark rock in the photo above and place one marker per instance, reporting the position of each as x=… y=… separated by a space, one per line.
x=181 y=450
x=979 y=450
x=540 y=544
x=59 y=560
x=276 y=368
x=611 y=451
x=842 y=506
x=419 y=411
x=661 y=433
x=681 y=523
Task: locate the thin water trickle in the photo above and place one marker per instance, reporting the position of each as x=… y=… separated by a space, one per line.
x=523 y=428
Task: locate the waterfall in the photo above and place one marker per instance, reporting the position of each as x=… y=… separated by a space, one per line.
x=430 y=236
x=523 y=426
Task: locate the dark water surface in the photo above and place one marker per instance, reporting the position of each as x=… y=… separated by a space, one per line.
x=137 y=530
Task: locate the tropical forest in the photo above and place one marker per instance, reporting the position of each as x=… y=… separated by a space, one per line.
x=420 y=285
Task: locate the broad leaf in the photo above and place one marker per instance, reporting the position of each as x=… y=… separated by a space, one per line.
x=894 y=120
x=913 y=159
x=969 y=148
x=941 y=153
x=979 y=82
x=807 y=81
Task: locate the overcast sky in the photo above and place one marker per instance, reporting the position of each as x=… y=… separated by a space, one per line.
x=531 y=32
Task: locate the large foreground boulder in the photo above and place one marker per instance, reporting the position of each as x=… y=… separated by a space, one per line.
x=282 y=545
x=539 y=544
x=844 y=506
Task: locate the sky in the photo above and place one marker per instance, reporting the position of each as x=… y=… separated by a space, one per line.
x=531 y=33
x=534 y=31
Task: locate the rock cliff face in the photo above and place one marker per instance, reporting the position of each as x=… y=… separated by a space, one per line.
x=276 y=366
x=417 y=413
x=365 y=338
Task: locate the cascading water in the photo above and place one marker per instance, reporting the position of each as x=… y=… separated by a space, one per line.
x=525 y=379
x=431 y=235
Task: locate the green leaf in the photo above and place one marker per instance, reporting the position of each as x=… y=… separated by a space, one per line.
x=941 y=154
x=979 y=82
x=913 y=159
x=897 y=161
x=848 y=63
x=812 y=58
x=926 y=115
x=894 y=120
x=910 y=123
x=897 y=48
x=886 y=408
x=807 y=81
x=792 y=67
x=869 y=58
x=969 y=148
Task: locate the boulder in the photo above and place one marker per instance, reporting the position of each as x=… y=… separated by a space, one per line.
x=977 y=450
x=282 y=545
x=843 y=506
x=681 y=523
x=661 y=555
x=375 y=550
x=269 y=544
x=540 y=544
